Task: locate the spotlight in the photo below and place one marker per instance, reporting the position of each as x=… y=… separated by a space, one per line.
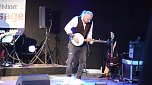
x=32 y=48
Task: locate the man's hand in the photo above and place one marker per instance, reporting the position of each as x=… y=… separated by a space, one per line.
x=91 y=41
x=75 y=38
x=71 y=35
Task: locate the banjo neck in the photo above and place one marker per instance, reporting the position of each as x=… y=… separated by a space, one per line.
x=94 y=40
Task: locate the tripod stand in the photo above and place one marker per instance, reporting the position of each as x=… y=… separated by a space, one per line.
x=46 y=49
x=14 y=53
x=56 y=49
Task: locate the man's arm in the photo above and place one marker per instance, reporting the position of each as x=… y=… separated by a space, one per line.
x=72 y=23
x=90 y=33
x=89 y=36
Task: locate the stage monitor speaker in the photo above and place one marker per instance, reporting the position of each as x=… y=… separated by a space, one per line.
x=33 y=79
x=44 y=17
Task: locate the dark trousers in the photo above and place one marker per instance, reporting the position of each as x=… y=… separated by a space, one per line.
x=81 y=51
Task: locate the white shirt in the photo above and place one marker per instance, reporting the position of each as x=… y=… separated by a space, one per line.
x=73 y=23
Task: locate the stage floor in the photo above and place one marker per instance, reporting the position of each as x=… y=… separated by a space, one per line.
x=10 y=75
x=17 y=70
x=89 y=79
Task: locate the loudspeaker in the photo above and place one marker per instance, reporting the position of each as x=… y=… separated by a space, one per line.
x=44 y=17
x=55 y=18
x=33 y=79
x=49 y=19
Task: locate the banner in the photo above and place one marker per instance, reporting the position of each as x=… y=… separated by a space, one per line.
x=12 y=13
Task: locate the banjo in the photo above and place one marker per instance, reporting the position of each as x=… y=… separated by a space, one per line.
x=81 y=40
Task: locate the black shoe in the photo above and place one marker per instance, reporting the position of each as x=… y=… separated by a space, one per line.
x=101 y=76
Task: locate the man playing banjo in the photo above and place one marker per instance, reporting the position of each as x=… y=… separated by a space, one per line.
x=78 y=29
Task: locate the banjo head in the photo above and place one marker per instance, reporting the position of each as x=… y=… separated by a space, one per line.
x=80 y=39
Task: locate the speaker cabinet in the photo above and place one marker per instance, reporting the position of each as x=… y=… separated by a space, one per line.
x=33 y=79
x=44 y=17
x=49 y=19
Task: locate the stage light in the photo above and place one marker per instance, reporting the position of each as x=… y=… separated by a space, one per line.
x=32 y=48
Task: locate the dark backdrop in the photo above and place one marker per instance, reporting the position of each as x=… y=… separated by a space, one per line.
x=128 y=20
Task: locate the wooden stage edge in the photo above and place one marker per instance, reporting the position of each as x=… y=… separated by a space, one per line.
x=50 y=69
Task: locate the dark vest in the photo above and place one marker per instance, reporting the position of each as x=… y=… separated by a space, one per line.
x=80 y=28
